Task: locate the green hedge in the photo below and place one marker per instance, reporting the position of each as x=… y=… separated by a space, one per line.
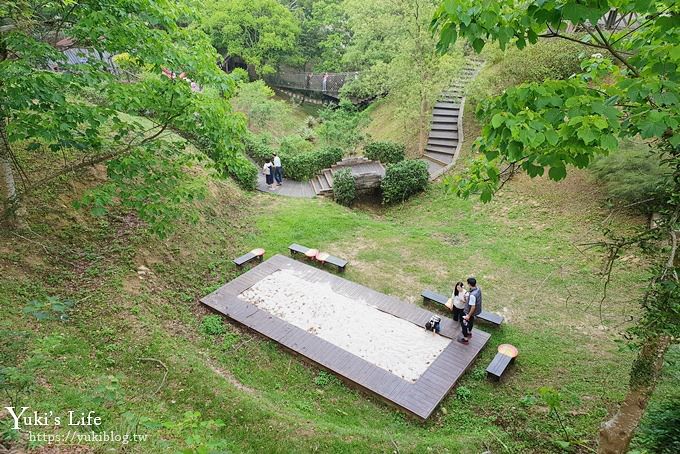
x=295 y=144
x=257 y=149
x=344 y=187
x=404 y=179
x=244 y=172
x=304 y=166
x=385 y=152
x=296 y=165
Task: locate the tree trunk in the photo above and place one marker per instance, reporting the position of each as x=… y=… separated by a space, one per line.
x=9 y=187
x=422 y=129
x=616 y=434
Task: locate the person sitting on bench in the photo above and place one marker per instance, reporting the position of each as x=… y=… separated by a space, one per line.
x=473 y=306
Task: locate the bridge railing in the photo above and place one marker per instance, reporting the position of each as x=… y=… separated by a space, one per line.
x=329 y=83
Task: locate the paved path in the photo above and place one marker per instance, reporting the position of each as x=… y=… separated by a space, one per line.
x=289 y=188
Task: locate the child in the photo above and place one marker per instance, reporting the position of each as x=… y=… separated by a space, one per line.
x=267 y=170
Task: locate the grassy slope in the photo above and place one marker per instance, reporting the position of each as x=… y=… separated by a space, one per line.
x=519 y=246
x=384 y=125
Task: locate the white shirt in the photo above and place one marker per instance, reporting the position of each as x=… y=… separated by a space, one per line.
x=277 y=161
x=267 y=168
x=472 y=300
x=458 y=300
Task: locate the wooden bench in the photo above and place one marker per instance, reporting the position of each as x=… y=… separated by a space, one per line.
x=333 y=260
x=498 y=365
x=340 y=263
x=489 y=317
x=252 y=255
x=505 y=356
x=296 y=248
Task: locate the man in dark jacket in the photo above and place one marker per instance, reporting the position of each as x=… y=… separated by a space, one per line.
x=473 y=307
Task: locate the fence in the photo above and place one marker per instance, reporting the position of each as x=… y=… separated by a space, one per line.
x=328 y=83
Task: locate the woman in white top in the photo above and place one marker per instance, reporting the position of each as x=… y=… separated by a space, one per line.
x=268 y=172
x=458 y=299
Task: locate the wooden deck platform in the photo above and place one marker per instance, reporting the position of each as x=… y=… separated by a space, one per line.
x=289 y=188
x=419 y=399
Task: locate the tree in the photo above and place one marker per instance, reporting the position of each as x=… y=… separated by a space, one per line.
x=324 y=34
x=392 y=43
x=52 y=106
x=629 y=87
x=260 y=32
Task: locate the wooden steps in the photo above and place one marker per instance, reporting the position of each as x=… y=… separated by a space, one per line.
x=362 y=168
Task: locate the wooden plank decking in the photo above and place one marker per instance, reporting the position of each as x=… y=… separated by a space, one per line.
x=289 y=188
x=420 y=398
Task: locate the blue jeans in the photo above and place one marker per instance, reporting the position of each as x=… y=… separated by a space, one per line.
x=278 y=175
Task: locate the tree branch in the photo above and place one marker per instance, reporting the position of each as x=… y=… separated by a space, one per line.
x=616 y=53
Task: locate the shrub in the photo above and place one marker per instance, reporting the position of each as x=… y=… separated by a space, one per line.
x=49 y=309
x=463 y=393
x=404 y=179
x=327 y=156
x=244 y=172
x=239 y=75
x=632 y=174
x=660 y=429
x=550 y=59
x=256 y=100
x=344 y=187
x=304 y=166
x=295 y=144
x=258 y=149
x=212 y=325
x=342 y=125
x=385 y=152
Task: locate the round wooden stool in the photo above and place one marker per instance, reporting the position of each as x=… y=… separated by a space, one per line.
x=508 y=350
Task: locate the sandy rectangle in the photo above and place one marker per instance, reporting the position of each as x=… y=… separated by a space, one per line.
x=384 y=340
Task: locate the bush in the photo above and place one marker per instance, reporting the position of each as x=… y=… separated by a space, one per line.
x=342 y=126
x=385 y=152
x=212 y=325
x=549 y=59
x=256 y=100
x=344 y=187
x=633 y=174
x=258 y=149
x=404 y=179
x=463 y=393
x=304 y=166
x=295 y=144
x=660 y=429
x=244 y=172
x=328 y=156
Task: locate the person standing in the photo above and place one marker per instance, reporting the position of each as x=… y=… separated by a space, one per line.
x=473 y=307
x=457 y=301
x=268 y=171
x=324 y=82
x=278 y=170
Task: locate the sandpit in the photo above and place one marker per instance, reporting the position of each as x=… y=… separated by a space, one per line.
x=384 y=340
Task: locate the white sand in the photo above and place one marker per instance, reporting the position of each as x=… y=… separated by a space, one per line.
x=389 y=342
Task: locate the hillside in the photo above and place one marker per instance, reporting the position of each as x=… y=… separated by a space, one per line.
x=530 y=267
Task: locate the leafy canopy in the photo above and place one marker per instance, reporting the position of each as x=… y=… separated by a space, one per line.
x=261 y=32
x=628 y=87
x=54 y=105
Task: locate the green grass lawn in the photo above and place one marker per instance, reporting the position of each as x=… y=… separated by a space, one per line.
x=523 y=248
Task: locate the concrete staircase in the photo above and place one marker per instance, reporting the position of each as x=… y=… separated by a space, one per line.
x=443 y=144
